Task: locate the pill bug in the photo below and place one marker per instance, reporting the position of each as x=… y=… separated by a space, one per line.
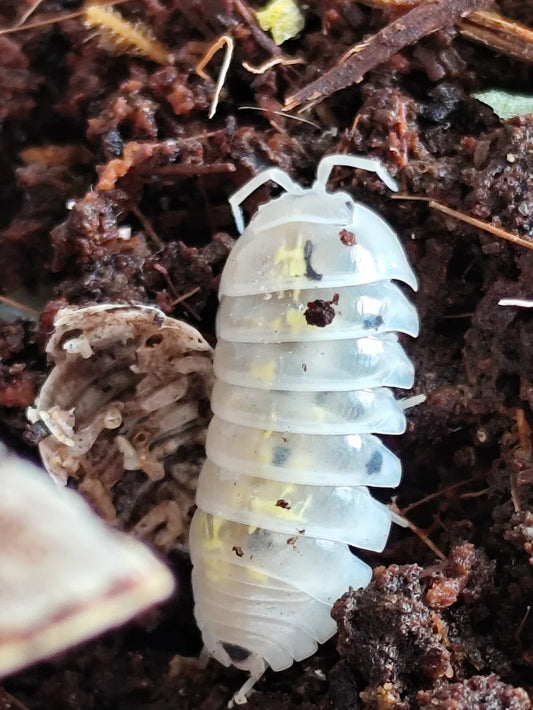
x=307 y=349
x=123 y=414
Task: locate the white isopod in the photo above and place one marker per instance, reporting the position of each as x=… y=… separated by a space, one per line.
x=306 y=352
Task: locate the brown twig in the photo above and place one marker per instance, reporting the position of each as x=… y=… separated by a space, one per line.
x=186 y=296
x=483 y=26
x=418 y=531
x=280 y=113
x=479 y=223
x=521 y=625
x=403 y=31
x=475 y=494
x=147 y=226
x=19 y=306
x=190 y=169
x=12 y=700
x=27 y=13
x=497 y=32
x=52 y=20
x=177 y=297
x=524 y=432
x=262 y=39
x=432 y=496
x=274 y=61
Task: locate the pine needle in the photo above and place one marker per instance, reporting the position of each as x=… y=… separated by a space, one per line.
x=224 y=40
x=479 y=223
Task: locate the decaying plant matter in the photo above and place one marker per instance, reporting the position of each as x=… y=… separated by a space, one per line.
x=123 y=414
x=64 y=576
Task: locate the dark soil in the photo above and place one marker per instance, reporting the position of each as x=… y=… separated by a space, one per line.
x=129 y=144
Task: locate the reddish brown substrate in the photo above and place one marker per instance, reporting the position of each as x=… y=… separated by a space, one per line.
x=133 y=148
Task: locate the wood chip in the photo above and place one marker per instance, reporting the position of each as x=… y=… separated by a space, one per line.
x=499 y=33
x=422 y=20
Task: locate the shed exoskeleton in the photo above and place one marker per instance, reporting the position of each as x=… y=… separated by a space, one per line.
x=307 y=349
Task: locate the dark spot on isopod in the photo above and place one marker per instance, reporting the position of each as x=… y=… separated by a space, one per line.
x=154 y=340
x=319 y=313
x=304 y=366
x=237 y=549
x=374 y=463
x=372 y=321
x=291 y=540
x=36 y=432
x=283 y=504
x=280 y=454
x=308 y=253
x=347 y=238
x=236 y=653
x=72 y=483
x=301 y=532
x=69 y=335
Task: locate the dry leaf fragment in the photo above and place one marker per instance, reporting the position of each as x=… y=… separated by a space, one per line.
x=283 y=18
x=64 y=576
x=505 y=104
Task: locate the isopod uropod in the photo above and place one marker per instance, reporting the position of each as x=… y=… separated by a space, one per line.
x=306 y=353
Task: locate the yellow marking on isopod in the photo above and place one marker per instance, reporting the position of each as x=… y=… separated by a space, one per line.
x=265 y=371
x=300 y=462
x=276 y=324
x=295 y=320
x=212 y=539
x=266 y=504
x=291 y=260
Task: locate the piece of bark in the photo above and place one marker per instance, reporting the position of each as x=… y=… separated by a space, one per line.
x=405 y=30
x=499 y=33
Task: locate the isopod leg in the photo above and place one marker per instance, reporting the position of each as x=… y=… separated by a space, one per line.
x=241 y=696
x=203 y=658
x=275 y=175
x=372 y=165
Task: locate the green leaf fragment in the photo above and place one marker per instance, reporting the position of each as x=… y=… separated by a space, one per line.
x=283 y=18
x=506 y=105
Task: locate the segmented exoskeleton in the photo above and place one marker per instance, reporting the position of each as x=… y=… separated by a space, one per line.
x=306 y=352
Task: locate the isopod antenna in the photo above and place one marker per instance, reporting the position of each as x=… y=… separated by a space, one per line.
x=372 y=165
x=270 y=174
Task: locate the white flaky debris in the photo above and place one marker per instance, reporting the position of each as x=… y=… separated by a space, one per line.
x=518 y=302
x=65 y=576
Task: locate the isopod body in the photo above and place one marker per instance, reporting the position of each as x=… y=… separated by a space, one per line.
x=307 y=349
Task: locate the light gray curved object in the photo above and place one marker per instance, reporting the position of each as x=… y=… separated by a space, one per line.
x=291 y=447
